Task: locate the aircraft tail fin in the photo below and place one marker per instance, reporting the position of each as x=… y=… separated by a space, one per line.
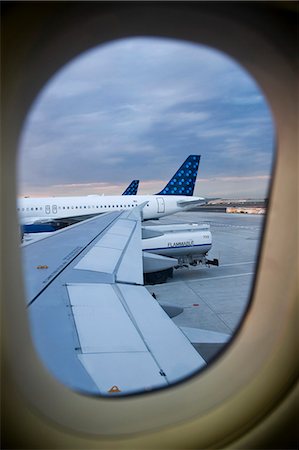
x=183 y=181
x=132 y=188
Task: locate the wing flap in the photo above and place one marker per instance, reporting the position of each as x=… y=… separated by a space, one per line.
x=130 y=269
x=123 y=372
x=201 y=336
x=121 y=246
x=162 y=337
x=101 y=320
x=94 y=260
x=125 y=323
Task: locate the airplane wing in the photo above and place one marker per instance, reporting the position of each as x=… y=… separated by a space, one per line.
x=94 y=325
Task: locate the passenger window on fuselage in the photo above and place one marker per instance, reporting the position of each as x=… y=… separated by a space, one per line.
x=158 y=101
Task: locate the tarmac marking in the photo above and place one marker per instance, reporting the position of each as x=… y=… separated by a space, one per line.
x=237 y=264
x=218 y=278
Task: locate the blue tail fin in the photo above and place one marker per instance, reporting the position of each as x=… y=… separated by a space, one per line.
x=132 y=188
x=183 y=182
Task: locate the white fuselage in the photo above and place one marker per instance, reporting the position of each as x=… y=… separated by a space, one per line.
x=51 y=208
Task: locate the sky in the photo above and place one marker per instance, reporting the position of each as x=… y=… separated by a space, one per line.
x=135 y=109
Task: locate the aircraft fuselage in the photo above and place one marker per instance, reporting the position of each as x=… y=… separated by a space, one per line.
x=53 y=208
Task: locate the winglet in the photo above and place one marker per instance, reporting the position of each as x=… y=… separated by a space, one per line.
x=132 y=188
x=135 y=212
x=183 y=181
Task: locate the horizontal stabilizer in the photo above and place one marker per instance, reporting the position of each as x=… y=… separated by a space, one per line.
x=197 y=202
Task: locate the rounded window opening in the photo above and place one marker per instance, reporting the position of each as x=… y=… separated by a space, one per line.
x=147 y=162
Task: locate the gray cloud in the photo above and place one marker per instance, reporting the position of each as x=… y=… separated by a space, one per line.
x=135 y=109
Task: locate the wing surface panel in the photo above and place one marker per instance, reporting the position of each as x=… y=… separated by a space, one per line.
x=93 y=259
x=130 y=269
x=102 y=323
x=129 y=372
x=163 y=338
x=121 y=246
x=43 y=260
x=200 y=336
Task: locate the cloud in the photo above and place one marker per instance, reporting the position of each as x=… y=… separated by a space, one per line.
x=135 y=109
x=248 y=100
x=234 y=187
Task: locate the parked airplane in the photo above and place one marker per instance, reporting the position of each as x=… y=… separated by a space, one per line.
x=49 y=214
x=49 y=225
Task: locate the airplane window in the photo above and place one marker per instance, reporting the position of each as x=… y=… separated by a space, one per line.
x=196 y=129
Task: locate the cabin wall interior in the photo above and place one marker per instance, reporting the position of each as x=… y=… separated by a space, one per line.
x=38 y=39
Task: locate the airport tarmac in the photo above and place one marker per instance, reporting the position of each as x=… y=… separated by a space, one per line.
x=215 y=298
